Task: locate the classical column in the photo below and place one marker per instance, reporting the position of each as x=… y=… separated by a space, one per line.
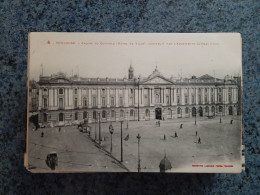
x=182 y=96
x=136 y=97
x=203 y=95
x=174 y=97
x=40 y=99
x=107 y=99
x=79 y=97
x=189 y=96
x=196 y=96
x=116 y=91
x=126 y=92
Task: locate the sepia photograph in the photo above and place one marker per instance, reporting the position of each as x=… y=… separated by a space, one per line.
x=134 y=102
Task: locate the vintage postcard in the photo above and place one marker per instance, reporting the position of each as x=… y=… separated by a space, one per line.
x=134 y=102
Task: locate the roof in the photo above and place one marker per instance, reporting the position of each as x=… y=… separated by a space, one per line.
x=206 y=77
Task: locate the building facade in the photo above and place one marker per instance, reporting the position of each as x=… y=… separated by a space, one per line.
x=67 y=100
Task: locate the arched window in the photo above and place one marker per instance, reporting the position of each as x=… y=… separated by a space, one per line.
x=213 y=109
x=187 y=110
x=179 y=110
x=103 y=114
x=121 y=113
x=44 y=117
x=147 y=112
x=113 y=114
x=61 y=117
x=132 y=112
x=207 y=109
x=94 y=114
x=85 y=115
x=220 y=109
x=76 y=115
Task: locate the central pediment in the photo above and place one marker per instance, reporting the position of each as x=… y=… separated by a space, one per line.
x=157 y=80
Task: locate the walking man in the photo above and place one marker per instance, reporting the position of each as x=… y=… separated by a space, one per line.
x=175 y=134
x=59 y=129
x=199 y=142
x=164 y=137
x=196 y=133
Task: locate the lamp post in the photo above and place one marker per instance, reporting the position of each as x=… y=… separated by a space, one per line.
x=127 y=120
x=95 y=127
x=99 y=129
x=139 y=166
x=220 y=117
x=111 y=130
x=195 y=117
x=121 y=141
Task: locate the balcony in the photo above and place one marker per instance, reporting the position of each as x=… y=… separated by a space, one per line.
x=61 y=108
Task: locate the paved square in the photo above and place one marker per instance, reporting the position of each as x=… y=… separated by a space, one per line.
x=220 y=145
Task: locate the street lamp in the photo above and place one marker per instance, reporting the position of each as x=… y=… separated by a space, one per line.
x=220 y=117
x=139 y=166
x=127 y=120
x=195 y=116
x=111 y=130
x=121 y=141
x=99 y=129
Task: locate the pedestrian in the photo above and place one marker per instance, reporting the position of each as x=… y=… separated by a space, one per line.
x=164 y=137
x=231 y=122
x=199 y=142
x=159 y=123
x=42 y=134
x=181 y=126
x=196 y=133
x=175 y=134
x=59 y=129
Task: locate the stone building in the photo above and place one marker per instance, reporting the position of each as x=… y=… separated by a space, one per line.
x=67 y=100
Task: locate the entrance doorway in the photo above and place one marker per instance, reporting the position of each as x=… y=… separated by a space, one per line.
x=158 y=113
x=193 y=111
x=200 y=111
x=230 y=110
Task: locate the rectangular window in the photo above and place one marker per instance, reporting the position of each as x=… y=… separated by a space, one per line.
x=60 y=91
x=94 y=101
x=103 y=101
x=112 y=101
x=85 y=102
x=60 y=102
x=199 y=99
x=193 y=99
x=178 y=99
x=76 y=116
x=76 y=102
x=45 y=103
x=186 y=99
x=206 y=99
x=131 y=101
x=167 y=100
x=229 y=98
x=212 y=99
x=121 y=101
x=76 y=91
x=219 y=98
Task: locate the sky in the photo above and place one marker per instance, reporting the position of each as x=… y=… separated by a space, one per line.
x=110 y=54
